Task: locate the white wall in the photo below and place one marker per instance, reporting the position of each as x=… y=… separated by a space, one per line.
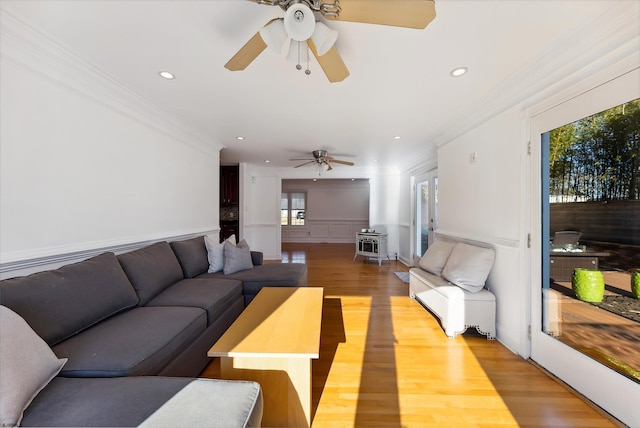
x=262 y=192
x=481 y=201
x=336 y=210
x=86 y=165
x=260 y=206
x=406 y=215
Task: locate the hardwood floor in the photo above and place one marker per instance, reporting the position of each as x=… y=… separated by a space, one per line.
x=385 y=361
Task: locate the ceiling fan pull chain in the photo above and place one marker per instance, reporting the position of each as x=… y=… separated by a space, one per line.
x=298 y=66
x=307 y=71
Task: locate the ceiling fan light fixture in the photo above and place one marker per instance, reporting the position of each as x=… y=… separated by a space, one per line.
x=323 y=38
x=274 y=35
x=299 y=22
x=298 y=51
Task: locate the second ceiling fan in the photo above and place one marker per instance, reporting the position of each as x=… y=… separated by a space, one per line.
x=322 y=161
x=299 y=31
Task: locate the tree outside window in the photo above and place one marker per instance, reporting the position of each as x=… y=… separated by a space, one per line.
x=292 y=208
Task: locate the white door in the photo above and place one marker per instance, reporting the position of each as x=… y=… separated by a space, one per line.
x=609 y=389
x=426 y=212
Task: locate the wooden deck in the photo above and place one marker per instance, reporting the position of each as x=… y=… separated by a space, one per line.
x=386 y=362
x=605 y=336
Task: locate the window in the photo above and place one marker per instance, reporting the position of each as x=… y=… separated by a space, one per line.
x=292 y=208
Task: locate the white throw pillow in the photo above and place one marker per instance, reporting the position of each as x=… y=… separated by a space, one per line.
x=27 y=365
x=435 y=258
x=468 y=266
x=215 y=252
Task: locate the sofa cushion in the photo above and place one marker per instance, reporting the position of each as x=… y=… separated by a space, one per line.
x=236 y=257
x=151 y=269
x=140 y=341
x=129 y=401
x=435 y=258
x=468 y=266
x=59 y=303
x=27 y=365
x=192 y=256
x=101 y=402
x=211 y=403
x=268 y=275
x=213 y=295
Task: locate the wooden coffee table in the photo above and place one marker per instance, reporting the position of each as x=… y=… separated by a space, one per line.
x=272 y=342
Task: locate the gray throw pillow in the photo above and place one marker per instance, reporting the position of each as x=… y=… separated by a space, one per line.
x=468 y=266
x=236 y=257
x=27 y=365
x=436 y=256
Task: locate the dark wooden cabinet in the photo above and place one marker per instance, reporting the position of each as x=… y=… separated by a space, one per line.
x=226 y=230
x=229 y=186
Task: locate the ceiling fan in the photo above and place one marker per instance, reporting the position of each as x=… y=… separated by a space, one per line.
x=322 y=161
x=299 y=31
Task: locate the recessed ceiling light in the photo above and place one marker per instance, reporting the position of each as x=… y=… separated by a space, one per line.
x=397 y=137
x=239 y=137
x=267 y=161
x=457 y=72
x=167 y=75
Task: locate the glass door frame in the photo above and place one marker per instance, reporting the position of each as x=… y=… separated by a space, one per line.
x=605 y=387
x=431 y=178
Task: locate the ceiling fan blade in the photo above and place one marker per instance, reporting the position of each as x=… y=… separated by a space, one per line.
x=247 y=53
x=398 y=13
x=329 y=167
x=306 y=163
x=342 y=162
x=331 y=63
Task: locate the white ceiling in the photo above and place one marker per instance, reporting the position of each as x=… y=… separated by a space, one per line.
x=399 y=83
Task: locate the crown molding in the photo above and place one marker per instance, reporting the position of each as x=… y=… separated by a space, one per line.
x=597 y=45
x=33 y=51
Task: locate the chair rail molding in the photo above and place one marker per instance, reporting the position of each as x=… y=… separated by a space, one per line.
x=19 y=263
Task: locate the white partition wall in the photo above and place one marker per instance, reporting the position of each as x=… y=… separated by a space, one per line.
x=336 y=209
x=86 y=165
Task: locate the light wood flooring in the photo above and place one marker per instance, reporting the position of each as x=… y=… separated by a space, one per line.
x=385 y=361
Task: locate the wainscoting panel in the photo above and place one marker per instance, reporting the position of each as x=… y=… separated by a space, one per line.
x=334 y=231
x=53 y=258
x=319 y=230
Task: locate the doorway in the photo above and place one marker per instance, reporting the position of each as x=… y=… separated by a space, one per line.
x=426 y=212
x=579 y=365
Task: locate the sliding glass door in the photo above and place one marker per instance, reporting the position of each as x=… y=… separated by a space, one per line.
x=570 y=337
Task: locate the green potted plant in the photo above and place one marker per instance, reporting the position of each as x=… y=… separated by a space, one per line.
x=588 y=285
x=635 y=283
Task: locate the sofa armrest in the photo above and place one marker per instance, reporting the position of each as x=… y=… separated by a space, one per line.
x=256 y=258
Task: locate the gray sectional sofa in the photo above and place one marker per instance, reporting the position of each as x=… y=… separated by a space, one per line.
x=152 y=311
